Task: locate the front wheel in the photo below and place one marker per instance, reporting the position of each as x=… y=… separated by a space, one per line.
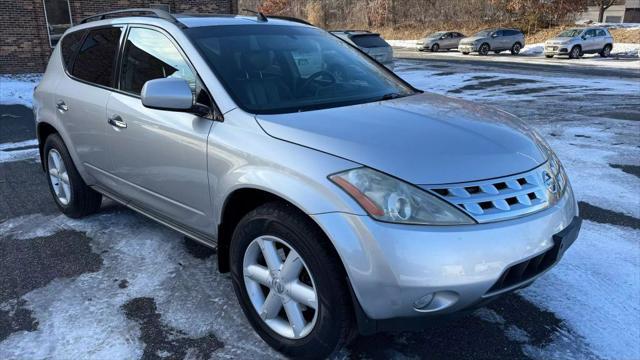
x=484 y=49
x=72 y=196
x=606 y=51
x=290 y=282
x=515 y=49
x=575 y=52
x=435 y=48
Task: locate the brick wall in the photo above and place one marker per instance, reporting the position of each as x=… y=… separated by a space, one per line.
x=24 y=41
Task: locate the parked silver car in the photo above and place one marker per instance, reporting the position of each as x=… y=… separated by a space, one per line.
x=441 y=40
x=576 y=42
x=496 y=40
x=338 y=196
x=371 y=43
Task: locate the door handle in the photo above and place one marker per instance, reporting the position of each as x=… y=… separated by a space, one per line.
x=117 y=121
x=60 y=105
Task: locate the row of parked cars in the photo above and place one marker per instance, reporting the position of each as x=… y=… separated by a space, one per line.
x=572 y=42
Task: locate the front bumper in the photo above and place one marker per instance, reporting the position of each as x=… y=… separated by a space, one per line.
x=556 y=49
x=392 y=267
x=467 y=48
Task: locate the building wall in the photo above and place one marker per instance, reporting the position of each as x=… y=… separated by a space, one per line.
x=24 y=40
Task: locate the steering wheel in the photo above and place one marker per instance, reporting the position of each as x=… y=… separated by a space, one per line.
x=317 y=75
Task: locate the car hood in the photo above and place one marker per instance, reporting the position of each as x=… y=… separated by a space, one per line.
x=472 y=39
x=561 y=39
x=423 y=139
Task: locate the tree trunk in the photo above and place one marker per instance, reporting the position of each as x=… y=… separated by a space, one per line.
x=601 y=13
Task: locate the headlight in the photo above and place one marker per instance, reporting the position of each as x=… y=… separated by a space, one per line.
x=388 y=199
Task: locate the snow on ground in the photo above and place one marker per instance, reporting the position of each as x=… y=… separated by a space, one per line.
x=155 y=264
x=18 y=89
x=18 y=151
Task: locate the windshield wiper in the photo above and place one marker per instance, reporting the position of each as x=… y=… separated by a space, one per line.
x=390 y=96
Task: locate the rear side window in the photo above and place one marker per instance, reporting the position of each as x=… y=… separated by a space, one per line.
x=70 y=45
x=601 y=32
x=149 y=55
x=96 y=58
x=369 y=41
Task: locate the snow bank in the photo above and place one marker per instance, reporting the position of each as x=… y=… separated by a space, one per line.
x=402 y=43
x=18 y=89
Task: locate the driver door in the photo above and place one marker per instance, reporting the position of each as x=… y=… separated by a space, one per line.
x=159 y=157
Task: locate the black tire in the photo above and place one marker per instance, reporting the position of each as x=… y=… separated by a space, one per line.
x=484 y=49
x=575 y=52
x=84 y=200
x=515 y=49
x=606 y=51
x=334 y=322
x=435 y=48
x=465 y=53
x=548 y=56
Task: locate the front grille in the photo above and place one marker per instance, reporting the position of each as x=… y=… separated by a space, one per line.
x=526 y=270
x=504 y=198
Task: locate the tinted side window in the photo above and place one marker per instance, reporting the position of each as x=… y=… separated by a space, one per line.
x=601 y=32
x=369 y=41
x=590 y=33
x=150 y=55
x=70 y=45
x=95 y=60
x=499 y=33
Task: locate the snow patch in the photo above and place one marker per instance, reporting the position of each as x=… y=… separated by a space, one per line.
x=18 y=89
x=17 y=151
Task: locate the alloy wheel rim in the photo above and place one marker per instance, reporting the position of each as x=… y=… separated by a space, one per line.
x=280 y=286
x=484 y=49
x=59 y=177
x=516 y=49
x=607 y=51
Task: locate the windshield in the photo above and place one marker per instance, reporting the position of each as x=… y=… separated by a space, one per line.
x=483 y=33
x=436 y=34
x=272 y=69
x=570 y=33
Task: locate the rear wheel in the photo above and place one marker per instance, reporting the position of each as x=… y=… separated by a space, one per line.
x=606 y=51
x=484 y=49
x=290 y=283
x=575 y=52
x=515 y=49
x=435 y=48
x=72 y=196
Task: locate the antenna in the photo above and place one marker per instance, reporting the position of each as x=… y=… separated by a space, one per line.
x=259 y=15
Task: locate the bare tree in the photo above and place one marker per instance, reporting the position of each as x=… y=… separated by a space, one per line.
x=603 y=5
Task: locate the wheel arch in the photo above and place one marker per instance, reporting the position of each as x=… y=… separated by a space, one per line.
x=43 y=131
x=240 y=202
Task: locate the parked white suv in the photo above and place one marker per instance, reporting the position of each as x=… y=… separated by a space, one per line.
x=577 y=42
x=339 y=197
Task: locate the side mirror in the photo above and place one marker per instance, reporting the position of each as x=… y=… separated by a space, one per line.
x=167 y=94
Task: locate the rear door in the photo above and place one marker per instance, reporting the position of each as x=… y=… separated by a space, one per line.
x=159 y=157
x=81 y=98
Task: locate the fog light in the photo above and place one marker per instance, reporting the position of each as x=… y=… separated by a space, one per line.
x=423 y=302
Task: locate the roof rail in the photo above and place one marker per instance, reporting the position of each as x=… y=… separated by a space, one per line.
x=291 y=18
x=157 y=12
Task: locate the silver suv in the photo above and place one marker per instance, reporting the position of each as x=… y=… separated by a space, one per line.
x=338 y=196
x=441 y=40
x=496 y=40
x=370 y=43
x=576 y=42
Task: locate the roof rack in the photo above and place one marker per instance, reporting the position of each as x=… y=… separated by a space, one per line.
x=157 y=12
